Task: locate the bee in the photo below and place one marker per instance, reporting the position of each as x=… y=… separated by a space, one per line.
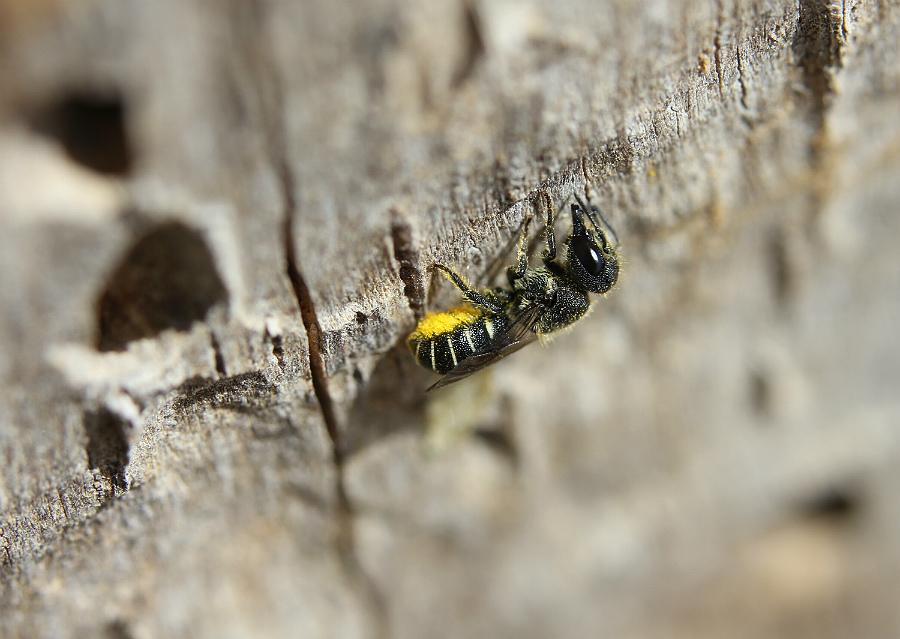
x=496 y=322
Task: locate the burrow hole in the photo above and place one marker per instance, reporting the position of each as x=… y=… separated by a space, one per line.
x=167 y=280
x=91 y=127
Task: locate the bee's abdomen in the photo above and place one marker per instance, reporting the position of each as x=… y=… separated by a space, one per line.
x=442 y=350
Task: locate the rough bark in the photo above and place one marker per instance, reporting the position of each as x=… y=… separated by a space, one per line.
x=216 y=223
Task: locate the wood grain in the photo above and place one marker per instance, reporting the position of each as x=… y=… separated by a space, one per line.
x=249 y=452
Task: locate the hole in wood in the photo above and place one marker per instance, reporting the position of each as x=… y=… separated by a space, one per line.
x=107 y=446
x=92 y=130
x=168 y=280
x=834 y=503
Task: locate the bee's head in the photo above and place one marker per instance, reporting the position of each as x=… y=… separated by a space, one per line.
x=590 y=257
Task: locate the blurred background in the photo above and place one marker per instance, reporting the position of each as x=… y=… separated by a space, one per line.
x=217 y=220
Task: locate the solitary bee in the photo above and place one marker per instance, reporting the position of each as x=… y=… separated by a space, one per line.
x=499 y=321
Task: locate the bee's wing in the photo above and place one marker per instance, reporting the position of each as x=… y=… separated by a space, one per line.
x=474 y=364
x=517 y=335
x=521 y=326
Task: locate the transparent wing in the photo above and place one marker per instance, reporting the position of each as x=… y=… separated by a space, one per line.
x=521 y=326
x=474 y=364
x=517 y=335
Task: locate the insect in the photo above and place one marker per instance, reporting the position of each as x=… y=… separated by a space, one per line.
x=496 y=322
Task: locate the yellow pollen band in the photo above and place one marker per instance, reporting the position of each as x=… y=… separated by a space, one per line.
x=444 y=322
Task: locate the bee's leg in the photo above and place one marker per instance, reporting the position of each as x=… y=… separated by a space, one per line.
x=469 y=293
x=550 y=253
x=516 y=272
x=596 y=216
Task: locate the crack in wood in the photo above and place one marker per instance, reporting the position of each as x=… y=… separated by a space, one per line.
x=408 y=259
x=228 y=392
x=107 y=451
x=217 y=350
x=475 y=48
x=277 y=342
x=818 y=46
x=741 y=80
x=260 y=61
x=717 y=51
x=309 y=318
x=345 y=541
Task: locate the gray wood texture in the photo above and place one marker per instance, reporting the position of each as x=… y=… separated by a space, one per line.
x=217 y=220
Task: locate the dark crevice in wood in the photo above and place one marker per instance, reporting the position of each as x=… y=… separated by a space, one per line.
x=91 y=128
x=741 y=80
x=408 y=259
x=223 y=393
x=781 y=273
x=168 y=280
x=344 y=539
x=258 y=58
x=760 y=391
x=117 y=629
x=501 y=442
x=310 y=322
x=277 y=342
x=107 y=448
x=718 y=58
x=220 y=358
x=835 y=504
x=817 y=46
x=498 y=433
x=475 y=47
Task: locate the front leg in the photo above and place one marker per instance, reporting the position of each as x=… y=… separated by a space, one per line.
x=594 y=213
x=516 y=272
x=549 y=254
x=468 y=292
x=550 y=230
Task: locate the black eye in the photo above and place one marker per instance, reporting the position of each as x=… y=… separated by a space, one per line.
x=587 y=253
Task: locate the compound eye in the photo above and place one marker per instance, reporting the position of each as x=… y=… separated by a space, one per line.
x=587 y=253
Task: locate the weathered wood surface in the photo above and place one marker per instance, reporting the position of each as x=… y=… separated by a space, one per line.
x=209 y=425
